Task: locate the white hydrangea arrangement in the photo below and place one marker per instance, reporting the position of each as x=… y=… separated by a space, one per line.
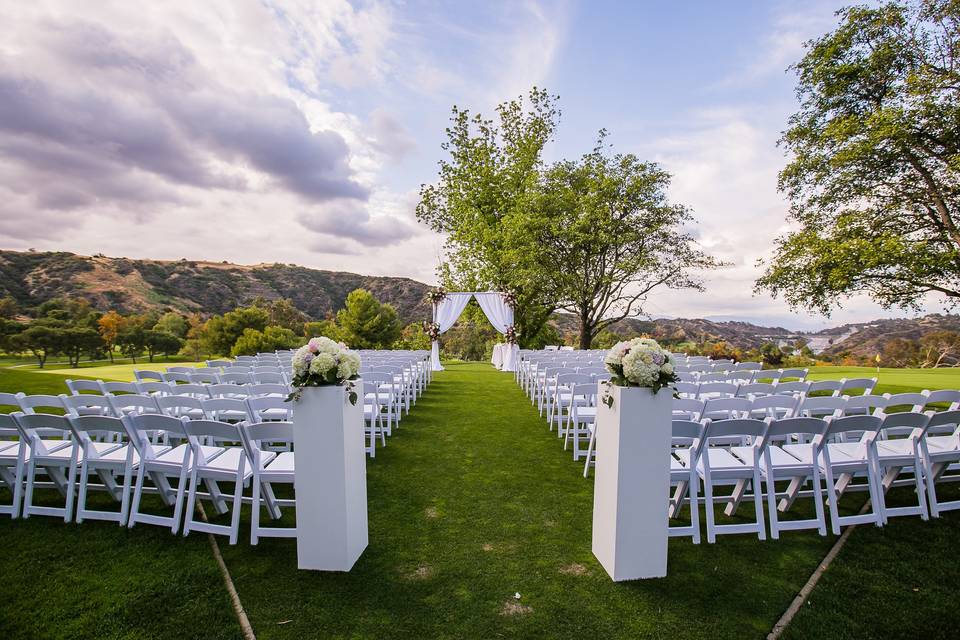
x=641 y=362
x=322 y=362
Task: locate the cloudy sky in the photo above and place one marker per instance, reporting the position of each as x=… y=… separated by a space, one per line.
x=300 y=132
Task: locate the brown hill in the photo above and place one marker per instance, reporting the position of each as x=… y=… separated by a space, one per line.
x=129 y=285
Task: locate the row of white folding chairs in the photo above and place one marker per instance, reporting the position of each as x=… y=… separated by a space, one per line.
x=829 y=454
x=543 y=381
x=121 y=453
x=531 y=373
x=743 y=375
x=882 y=448
x=269 y=401
x=199 y=390
x=844 y=386
x=214 y=376
x=256 y=408
x=579 y=423
x=717 y=365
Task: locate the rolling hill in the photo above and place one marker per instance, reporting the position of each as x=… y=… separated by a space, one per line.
x=126 y=285
x=32 y=277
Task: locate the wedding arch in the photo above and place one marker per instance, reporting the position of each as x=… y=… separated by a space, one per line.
x=498 y=308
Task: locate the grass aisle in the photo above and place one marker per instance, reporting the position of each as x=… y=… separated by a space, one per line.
x=472 y=501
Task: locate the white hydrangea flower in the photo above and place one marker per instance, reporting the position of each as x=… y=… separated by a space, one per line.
x=322 y=363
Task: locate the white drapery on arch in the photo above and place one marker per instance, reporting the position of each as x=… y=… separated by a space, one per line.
x=498 y=312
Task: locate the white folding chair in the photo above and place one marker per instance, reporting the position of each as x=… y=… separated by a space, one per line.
x=159 y=463
x=13 y=454
x=267 y=471
x=940 y=449
x=121 y=459
x=58 y=457
x=778 y=464
x=687 y=438
x=899 y=450
x=720 y=465
x=212 y=465
x=843 y=461
x=77 y=387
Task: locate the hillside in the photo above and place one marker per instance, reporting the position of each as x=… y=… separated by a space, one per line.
x=187 y=286
x=867 y=339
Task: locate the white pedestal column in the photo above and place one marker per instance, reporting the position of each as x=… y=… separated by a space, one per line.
x=632 y=482
x=331 y=479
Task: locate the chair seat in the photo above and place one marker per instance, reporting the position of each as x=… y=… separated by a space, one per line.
x=228 y=460
x=778 y=457
x=174 y=457
x=281 y=466
x=899 y=448
x=723 y=464
x=119 y=455
x=62 y=454
x=8 y=444
x=942 y=444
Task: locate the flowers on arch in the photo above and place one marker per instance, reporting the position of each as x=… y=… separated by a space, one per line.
x=641 y=362
x=432 y=329
x=512 y=334
x=436 y=296
x=509 y=298
x=324 y=362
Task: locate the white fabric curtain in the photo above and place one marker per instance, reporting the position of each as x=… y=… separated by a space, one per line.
x=445 y=314
x=500 y=315
x=498 y=312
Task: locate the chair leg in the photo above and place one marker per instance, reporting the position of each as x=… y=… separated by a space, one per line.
x=71 y=484
x=708 y=507
x=237 y=504
x=758 y=504
x=772 y=505
x=125 y=498
x=28 y=497
x=137 y=492
x=82 y=497
x=693 y=491
x=255 y=510
x=178 y=504
x=191 y=501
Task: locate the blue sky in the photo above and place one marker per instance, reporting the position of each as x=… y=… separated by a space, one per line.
x=300 y=132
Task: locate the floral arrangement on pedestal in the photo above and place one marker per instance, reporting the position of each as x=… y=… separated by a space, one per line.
x=512 y=334
x=509 y=299
x=436 y=296
x=324 y=362
x=640 y=362
x=432 y=329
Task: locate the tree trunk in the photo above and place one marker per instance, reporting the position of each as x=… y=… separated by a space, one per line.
x=586 y=331
x=110 y=353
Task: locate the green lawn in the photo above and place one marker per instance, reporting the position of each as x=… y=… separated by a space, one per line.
x=471 y=501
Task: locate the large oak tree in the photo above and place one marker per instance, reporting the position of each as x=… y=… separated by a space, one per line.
x=873 y=180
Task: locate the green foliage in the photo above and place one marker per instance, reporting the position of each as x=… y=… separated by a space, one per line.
x=174 y=323
x=605 y=339
x=592 y=237
x=73 y=342
x=413 y=337
x=220 y=333
x=40 y=338
x=327 y=328
x=873 y=182
x=155 y=341
x=469 y=340
x=604 y=236
x=486 y=180
x=271 y=338
x=283 y=313
x=771 y=354
x=365 y=323
x=8 y=308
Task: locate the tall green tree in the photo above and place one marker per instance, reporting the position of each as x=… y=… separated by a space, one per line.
x=220 y=333
x=365 y=323
x=875 y=148
x=173 y=322
x=156 y=341
x=74 y=342
x=492 y=165
x=606 y=236
x=252 y=342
